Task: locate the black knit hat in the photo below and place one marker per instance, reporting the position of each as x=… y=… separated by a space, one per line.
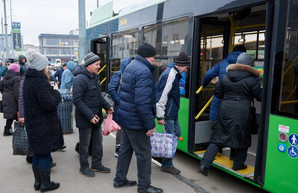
x=239 y=48
x=146 y=50
x=182 y=60
x=90 y=58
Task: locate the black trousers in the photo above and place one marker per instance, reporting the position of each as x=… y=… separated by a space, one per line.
x=137 y=141
x=85 y=136
x=209 y=156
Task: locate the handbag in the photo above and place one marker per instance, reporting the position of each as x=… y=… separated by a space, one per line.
x=163 y=145
x=20 y=143
x=254 y=126
x=110 y=125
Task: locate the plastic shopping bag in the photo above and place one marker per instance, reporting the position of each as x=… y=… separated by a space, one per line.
x=110 y=125
x=163 y=145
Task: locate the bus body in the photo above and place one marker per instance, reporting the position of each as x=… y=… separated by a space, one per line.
x=207 y=31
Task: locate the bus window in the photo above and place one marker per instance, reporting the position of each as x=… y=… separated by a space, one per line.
x=289 y=81
x=152 y=35
x=174 y=35
x=125 y=44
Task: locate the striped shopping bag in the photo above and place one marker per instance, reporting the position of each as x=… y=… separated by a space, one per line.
x=163 y=145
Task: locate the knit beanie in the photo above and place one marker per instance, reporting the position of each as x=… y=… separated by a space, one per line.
x=239 y=48
x=90 y=58
x=182 y=60
x=36 y=60
x=14 y=67
x=245 y=58
x=146 y=50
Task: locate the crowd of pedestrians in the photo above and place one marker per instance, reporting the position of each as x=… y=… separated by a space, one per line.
x=29 y=98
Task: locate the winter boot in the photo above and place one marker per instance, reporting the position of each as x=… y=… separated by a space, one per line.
x=46 y=184
x=6 y=131
x=36 y=176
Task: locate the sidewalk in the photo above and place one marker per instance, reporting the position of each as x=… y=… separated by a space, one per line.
x=16 y=173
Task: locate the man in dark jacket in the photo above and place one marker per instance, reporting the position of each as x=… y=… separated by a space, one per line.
x=136 y=117
x=58 y=74
x=168 y=103
x=114 y=92
x=88 y=101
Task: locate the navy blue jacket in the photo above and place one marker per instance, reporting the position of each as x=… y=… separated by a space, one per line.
x=87 y=98
x=137 y=95
x=218 y=70
x=58 y=74
x=168 y=94
x=114 y=87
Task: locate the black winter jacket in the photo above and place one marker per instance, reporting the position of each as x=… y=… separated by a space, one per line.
x=237 y=89
x=9 y=87
x=87 y=98
x=41 y=118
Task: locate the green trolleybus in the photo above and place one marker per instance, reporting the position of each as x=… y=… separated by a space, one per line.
x=207 y=31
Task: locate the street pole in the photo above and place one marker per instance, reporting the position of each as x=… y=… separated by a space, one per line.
x=5 y=30
x=2 y=40
x=12 y=47
x=82 y=30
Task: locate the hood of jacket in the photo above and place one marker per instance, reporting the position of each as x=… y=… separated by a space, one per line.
x=238 y=72
x=124 y=63
x=83 y=70
x=9 y=74
x=71 y=65
x=232 y=57
x=21 y=57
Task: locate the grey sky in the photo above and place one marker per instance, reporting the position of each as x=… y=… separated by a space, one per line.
x=52 y=16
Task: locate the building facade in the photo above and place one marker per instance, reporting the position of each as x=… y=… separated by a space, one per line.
x=59 y=46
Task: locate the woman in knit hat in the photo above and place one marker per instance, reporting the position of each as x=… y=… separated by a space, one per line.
x=237 y=89
x=9 y=88
x=41 y=119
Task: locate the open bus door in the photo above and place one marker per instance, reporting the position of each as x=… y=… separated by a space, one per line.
x=215 y=37
x=100 y=47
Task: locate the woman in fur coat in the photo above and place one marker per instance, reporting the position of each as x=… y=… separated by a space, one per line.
x=42 y=120
x=232 y=129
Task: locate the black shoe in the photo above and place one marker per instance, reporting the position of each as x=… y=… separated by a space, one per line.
x=87 y=172
x=101 y=169
x=29 y=159
x=53 y=164
x=37 y=177
x=204 y=170
x=7 y=131
x=46 y=184
x=170 y=170
x=124 y=184
x=241 y=167
x=150 y=189
x=62 y=147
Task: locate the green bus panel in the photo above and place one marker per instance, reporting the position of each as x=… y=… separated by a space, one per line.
x=281 y=174
x=183 y=121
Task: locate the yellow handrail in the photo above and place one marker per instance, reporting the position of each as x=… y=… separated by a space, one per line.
x=289 y=67
x=102 y=69
x=204 y=108
x=103 y=80
x=289 y=102
x=199 y=90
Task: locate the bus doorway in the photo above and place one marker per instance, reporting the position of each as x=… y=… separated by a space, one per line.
x=218 y=34
x=100 y=47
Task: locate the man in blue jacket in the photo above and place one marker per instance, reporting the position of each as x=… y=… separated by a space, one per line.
x=88 y=101
x=168 y=103
x=220 y=70
x=67 y=75
x=58 y=74
x=114 y=92
x=136 y=117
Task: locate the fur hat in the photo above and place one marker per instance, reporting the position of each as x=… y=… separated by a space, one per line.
x=182 y=60
x=90 y=58
x=245 y=58
x=14 y=67
x=146 y=50
x=36 y=60
x=239 y=48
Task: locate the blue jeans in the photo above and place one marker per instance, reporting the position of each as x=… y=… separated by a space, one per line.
x=173 y=127
x=43 y=162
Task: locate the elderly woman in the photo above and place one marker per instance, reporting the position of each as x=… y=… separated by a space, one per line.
x=9 y=87
x=42 y=121
x=232 y=129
